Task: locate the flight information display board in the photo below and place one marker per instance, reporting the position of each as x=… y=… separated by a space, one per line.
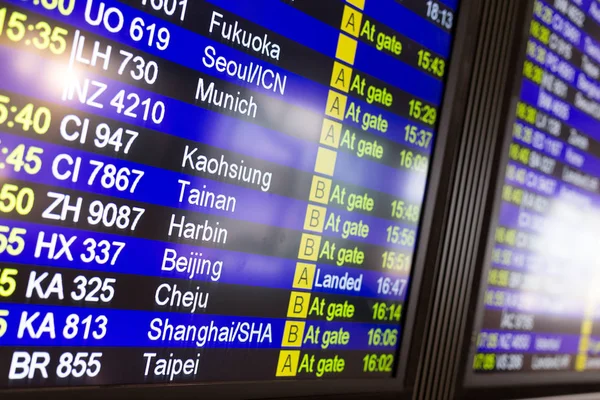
x=199 y=191
x=541 y=302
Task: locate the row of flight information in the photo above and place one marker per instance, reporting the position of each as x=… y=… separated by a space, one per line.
x=541 y=307
x=200 y=191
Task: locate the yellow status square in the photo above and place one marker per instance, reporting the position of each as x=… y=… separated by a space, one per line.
x=315 y=218
x=341 y=77
x=293 y=333
x=304 y=276
x=309 y=247
x=584 y=344
x=586 y=327
x=581 y=362
x=351 y=21
x=331 y=133
x=299 y=305
x=336 y=105
x=346 y=49
x=325 y=163
x=320 y=190
x=357 y=3
x=287 y=365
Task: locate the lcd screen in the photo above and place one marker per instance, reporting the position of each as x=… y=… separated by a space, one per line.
x=205 y=191
x=539 y=310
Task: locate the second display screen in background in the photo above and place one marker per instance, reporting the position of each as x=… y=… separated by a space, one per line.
x=541 y=303
x=197 y=191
